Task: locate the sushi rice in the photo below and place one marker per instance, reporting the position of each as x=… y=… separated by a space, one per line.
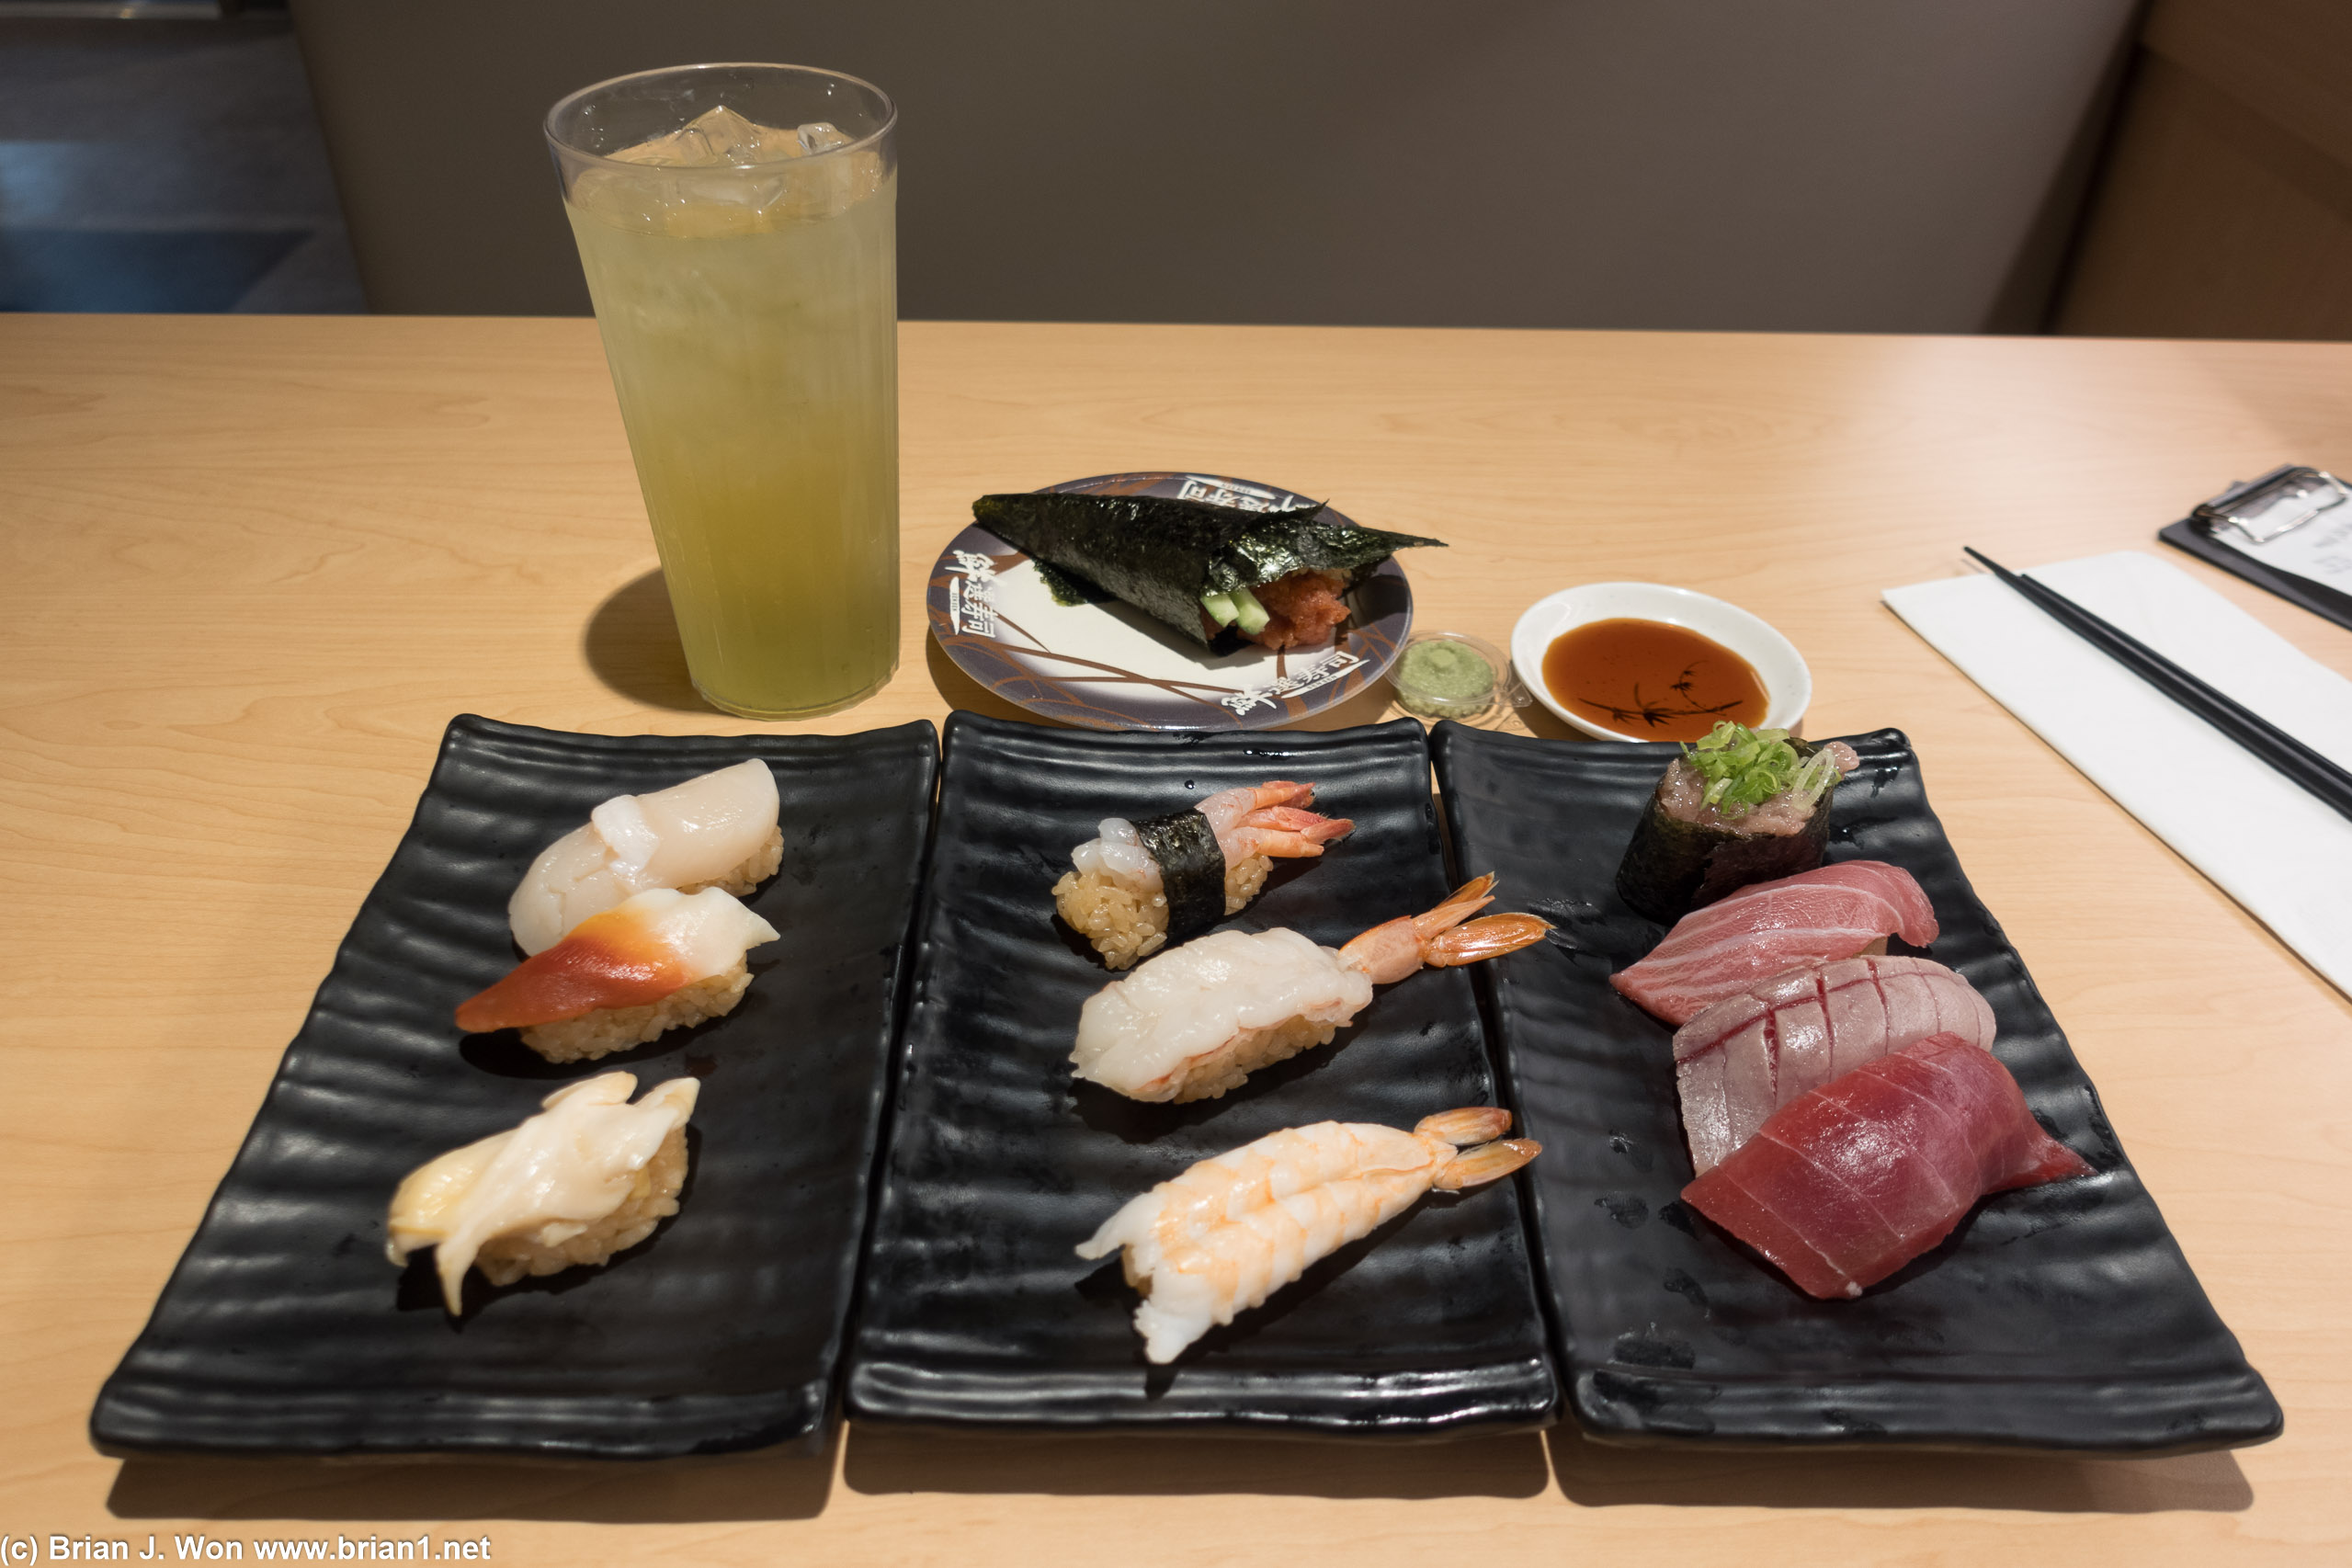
x=1126 y=922
x=609 y=1029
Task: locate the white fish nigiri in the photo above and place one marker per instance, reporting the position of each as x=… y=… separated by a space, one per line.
x=718 y=830
x=1195 y=1021
x=588 y=1177
x=661 y=960
x=1233 y=1230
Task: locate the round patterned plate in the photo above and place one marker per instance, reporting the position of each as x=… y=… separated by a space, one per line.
x=1110 y=667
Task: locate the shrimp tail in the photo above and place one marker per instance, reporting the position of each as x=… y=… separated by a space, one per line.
x=1489 y=936
x=1472 y=1124
x=1488 y=1162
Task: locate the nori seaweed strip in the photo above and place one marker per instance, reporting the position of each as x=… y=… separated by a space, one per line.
x=1192 y=869
x=1673 y=867
x=1161 y=555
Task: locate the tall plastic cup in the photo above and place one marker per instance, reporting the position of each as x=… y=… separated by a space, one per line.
x=738 y=227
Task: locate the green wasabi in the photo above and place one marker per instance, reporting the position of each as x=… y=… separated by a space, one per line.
x=1438 y=677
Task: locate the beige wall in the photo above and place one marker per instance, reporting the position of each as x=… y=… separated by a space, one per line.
x=1829 y=165
x=2226 y=207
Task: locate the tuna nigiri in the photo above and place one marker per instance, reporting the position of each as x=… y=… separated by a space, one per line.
x=1756 y=1050
x=1196 y=1020
x=1852 y=1181
x=717 y=831
x=1833 y=911
x=662 y=961
x=590 y=1175
x=1233 y=1230
x=1140 y=885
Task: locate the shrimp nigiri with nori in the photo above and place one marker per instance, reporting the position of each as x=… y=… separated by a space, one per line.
x=1198 y=1019
x=1233 y=1230
x=1140 y=885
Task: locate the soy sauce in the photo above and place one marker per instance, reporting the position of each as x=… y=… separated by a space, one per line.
x=1651 y=680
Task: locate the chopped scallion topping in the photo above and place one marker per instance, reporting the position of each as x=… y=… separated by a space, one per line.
x=1745 y=767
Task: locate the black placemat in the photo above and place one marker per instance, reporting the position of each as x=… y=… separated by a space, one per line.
x=2058 y=1317
x=284 y=1330
x=975 y=1309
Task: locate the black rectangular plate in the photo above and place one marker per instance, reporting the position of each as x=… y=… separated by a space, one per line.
x=2060 y=1317
x=976 y=1311
x=284 y=1330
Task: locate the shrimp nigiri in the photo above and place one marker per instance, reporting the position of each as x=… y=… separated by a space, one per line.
x=590 y=1175
x=1197 y=1021
x=662 y=960
x=717 y=831
x=1233 y=1230
x=1140 y=885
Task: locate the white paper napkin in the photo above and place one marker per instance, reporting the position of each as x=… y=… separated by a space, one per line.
x=2264 y=841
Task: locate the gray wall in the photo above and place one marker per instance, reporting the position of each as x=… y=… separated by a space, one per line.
x=1910 y=165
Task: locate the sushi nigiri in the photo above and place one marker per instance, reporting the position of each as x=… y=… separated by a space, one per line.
x=1198 y=1019
x=717 y=831
x=1215 y=575
x=1740 y=806
x=1835 y=912
x=1233 y=1230
x=590 y=1175
x=1744 y=1057
x=662 y=961
x=1846 y=1184
x=1140 y=885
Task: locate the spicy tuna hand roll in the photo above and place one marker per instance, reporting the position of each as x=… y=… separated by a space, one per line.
x=1273 y=578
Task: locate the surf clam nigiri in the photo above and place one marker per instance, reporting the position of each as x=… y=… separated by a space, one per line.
x=1843 y=1187
x=1197 y=1020
x=663 y=960
x=587 y=1177
x=716 y=831
x=1231 y=1230
x=1137 y=886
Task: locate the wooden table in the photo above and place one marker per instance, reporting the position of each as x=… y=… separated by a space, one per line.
x=253 y=565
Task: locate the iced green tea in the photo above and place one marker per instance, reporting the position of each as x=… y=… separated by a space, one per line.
x=746 y=284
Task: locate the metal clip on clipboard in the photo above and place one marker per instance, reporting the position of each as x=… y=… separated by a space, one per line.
x=2230 y=530
x=2278 y=502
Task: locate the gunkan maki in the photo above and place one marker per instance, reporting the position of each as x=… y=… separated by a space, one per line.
x=1739 y=806
x=1219 y=575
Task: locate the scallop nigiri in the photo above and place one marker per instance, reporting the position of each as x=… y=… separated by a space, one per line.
x=1140 y=885
x=1197 y=1020
x=665 y=959
x=589 y=1176
x=717 y=831
x=1233 y=1230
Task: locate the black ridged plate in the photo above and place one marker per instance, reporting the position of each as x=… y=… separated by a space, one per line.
x=285 y=1331
x=976 y=1311
x=2058 y=1317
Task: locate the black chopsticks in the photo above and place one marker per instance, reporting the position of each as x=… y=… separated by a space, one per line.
x=2299 y=763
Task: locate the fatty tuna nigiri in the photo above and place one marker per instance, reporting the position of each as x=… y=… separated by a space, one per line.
x=1849 y=1183
x=662 y=961
x=1756 y=1050
x=1833 y=911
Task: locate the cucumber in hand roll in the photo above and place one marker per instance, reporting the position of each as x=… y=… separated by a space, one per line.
x=1740 y=806
x=1212 y=573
